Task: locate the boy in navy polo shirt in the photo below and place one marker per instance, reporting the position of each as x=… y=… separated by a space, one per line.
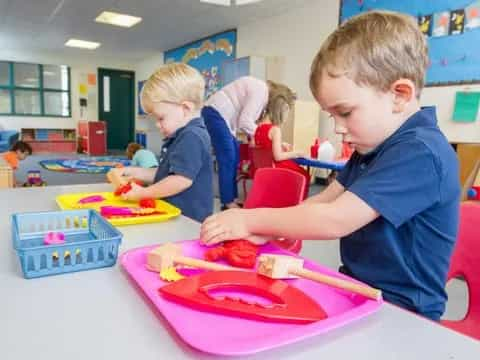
x=173 y=95
x=395 y=206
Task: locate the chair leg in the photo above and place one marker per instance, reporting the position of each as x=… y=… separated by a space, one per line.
x=244 y=189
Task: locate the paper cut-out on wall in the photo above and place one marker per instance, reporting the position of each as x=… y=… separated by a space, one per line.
x=466 y=106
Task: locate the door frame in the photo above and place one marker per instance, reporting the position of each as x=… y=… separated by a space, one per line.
x=131 y=123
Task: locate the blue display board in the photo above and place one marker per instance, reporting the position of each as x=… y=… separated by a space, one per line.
x=207 y=55
x=452 y=28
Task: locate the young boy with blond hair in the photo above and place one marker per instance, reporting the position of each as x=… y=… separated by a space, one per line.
x=173 y=95
x=395 y=205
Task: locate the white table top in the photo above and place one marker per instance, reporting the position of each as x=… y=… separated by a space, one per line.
x=99 y=314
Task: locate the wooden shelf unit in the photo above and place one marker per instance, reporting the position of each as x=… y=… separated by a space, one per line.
x=50 y=140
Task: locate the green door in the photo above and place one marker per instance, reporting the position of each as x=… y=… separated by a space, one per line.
x=116 y=106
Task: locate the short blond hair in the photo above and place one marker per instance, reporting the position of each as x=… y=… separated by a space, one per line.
x=175 y=83
x=374 y=49
x=280 y=100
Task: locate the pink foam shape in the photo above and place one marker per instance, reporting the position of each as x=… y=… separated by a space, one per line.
x=91 y=199
x=115 y=211
x=54 y=238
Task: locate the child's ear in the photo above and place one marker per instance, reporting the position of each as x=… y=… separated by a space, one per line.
x=188 y=105
x=403 y=92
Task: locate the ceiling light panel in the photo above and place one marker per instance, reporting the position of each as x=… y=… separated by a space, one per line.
x=90 y=45
x=117 y=19
x=218 y=2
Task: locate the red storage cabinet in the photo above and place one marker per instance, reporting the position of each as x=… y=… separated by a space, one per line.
x=93 y=137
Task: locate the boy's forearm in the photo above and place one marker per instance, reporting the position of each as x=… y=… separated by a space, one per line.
x=332 y=192
x=169 y=186
x=306 y=221
x=145 y=175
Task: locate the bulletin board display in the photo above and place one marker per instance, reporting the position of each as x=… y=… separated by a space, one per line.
x=207 y=56
x=452 y=28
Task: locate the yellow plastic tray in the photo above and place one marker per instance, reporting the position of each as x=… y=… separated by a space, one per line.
x=70 y=202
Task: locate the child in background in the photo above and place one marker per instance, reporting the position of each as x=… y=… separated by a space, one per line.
x=234 y=108
x=173 y=95
x=141 y=157
x=19 y=151
x=395 y=205
x=268 y=134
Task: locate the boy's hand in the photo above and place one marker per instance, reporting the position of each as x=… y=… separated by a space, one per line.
x=259 y=239
x=126 y=173
x=226 y=225
x=135 y=194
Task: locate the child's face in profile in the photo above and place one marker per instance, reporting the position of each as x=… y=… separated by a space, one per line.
x=364 y=117
x=169 y=116
x=22 y=155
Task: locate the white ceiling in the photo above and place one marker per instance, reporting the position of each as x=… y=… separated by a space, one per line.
x=45 y=25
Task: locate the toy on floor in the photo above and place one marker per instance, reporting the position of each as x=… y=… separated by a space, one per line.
x=286 y=267
x=239 y=253
x=168 y=255
x=285 y=303
x=473 y=192
x=34 y=179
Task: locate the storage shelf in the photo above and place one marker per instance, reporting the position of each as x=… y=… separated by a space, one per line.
x=50 y=140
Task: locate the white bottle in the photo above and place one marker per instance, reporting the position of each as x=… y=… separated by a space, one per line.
x=326 y=151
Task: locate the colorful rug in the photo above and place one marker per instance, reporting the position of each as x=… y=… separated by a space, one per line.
x=87 y=165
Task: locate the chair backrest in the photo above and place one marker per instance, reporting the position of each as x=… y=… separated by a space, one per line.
x=275 y=188
x=466 y=256
x=244 y=152
x=261 y=158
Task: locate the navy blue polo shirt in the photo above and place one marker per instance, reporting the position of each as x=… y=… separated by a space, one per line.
x=187 y=153
x=411 y=180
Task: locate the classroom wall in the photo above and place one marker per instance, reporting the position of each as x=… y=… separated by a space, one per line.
x=268 y=37
x=312 y=24
x=275 y=37
x=80 y=65
x=142 y=72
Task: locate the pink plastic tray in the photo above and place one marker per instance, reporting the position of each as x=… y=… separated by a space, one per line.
x=238 y=336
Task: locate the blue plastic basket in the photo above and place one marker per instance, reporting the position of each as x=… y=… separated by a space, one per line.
x=90 y=242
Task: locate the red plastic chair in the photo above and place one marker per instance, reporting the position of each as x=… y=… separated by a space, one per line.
x=259 y=158
x=466 y=263
x=244 y=171
x=277 y=188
